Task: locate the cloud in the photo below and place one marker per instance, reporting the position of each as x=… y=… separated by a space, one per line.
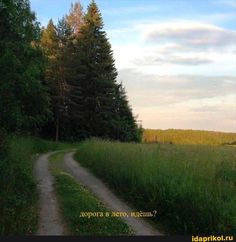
x=155 y=91
x=189 y=35
x=172 y=59
x=179 y=74
x=184 y=60
x=230 y=3
x=207 y=109
x=182 y=101
x=181 y=116
x=177 y=47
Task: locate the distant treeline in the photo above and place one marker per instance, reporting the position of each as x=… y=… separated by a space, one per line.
x=60 y=82
x=176 y=136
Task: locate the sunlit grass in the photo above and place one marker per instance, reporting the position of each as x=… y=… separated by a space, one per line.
x=191 y=187
x=197 y=137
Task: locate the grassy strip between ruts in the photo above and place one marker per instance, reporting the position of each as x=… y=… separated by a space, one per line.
x=191 y=187
x=75 y=199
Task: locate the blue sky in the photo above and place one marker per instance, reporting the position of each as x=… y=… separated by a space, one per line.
x=176 y=58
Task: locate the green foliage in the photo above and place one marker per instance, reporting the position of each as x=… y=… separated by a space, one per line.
x=23 y=97
x=18 y=197
x=61 y=81
x=75 y=199
x=192 y=187
x=52 y=43
x=97 y=106
x=197 y=137
x=125 y=127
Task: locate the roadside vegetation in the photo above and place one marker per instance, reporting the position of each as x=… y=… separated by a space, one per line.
x=196 y=137
x=74 y=200
x=192 y=187
x=18 y=194
x=60 y=82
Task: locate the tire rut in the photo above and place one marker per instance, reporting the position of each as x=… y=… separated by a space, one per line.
x=50 y=222
x=85 y=178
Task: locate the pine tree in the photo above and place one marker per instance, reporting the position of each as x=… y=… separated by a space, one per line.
x=59 y=49
x=75 y=18
x=24 y=102
x=53 y=42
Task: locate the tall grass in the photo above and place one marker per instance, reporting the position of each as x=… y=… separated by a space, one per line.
x=191 y=187
x=188 y=137
x=18 y=197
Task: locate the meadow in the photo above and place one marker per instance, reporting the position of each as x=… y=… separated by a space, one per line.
x=192 y=187
x=197 y=137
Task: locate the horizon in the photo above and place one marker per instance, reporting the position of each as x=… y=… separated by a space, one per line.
x=176 y=59
x=197 y=130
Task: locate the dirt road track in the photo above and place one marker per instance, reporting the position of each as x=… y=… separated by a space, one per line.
x=85 y=178
x=50 y=222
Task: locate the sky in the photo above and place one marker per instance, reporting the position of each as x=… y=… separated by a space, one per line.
x=176 y=58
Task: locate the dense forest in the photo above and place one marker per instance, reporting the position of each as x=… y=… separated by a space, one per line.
x=60 y=81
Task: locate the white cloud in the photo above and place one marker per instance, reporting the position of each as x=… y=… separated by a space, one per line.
x=189 y=34
x=176 y=59
x=183 y=101
x=155 y=91
x=231 y=3
x=177 y=48
x=180 y=74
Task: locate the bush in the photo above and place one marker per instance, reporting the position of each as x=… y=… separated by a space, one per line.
x=18 y=194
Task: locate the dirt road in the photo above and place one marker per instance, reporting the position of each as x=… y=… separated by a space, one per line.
x=50 y=221
x=85 y=178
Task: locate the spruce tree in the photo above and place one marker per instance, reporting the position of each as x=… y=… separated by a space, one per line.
x=95 y=77
x=98 y=105
x=125 y=125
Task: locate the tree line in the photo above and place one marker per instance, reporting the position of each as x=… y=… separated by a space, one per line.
x=60 y=81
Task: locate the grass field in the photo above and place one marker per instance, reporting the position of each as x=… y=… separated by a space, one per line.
x=75 y=199
x=197 y=137
x=18 y=196
x=192 y=187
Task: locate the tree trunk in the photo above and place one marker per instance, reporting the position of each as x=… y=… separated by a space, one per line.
x=57 y=129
